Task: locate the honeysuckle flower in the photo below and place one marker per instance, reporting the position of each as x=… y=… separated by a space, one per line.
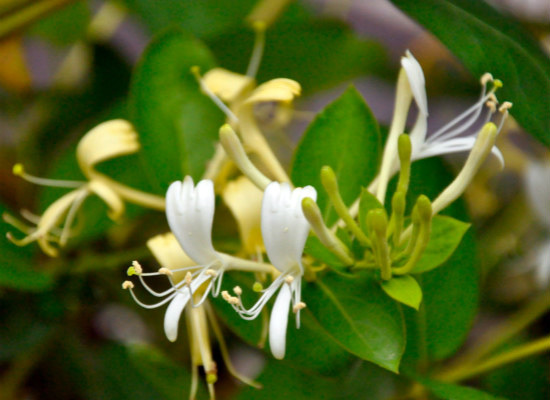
x=537 y=177
x=106 y=141
x=284 y=231
x=242 y=95
x=455 y=136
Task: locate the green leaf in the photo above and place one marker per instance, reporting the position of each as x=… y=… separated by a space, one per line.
x=451 y=391
x=367 y=202
x=344 y=136
x=64 y=26
x=315 y=248
x=177 y=124
x=450 y=292
x=487 y=41
x=445 y=237
x=405 y=289
x=201 y=18
x=359 y=316
x=17 y=269
x=317 y=54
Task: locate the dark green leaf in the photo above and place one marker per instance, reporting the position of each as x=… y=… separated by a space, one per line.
x=178 y=125
x=367 y=202
x=315 y=248
x=64 y=26
x=445 y=237
x=359 y=316
x=487 y=41
x=451 y=391
x=344 y=136
x=404 y=289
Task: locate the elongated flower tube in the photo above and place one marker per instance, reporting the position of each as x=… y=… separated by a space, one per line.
x=284 y=231
x=106 y=141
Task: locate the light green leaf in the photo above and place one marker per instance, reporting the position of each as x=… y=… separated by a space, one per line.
x=486 y=41
x=315 y=248
x=405 y=289
x=177 y=124
x=445 y=237
x=367 y=202
x=359 y=316
x=344 y=136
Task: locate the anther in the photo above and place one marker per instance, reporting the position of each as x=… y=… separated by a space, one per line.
x=165 y=271
x=127 y=285
x=238 y=291
x=486 y=78
x=491 y=105
x=226 y=296
x=211 y=272
x=300 y=306
x=289 y=279
x=188 y=278
x=137 y=267
x=505 y=107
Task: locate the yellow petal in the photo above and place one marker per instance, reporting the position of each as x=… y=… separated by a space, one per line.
x=280 y=89
x=113 y=200
x=169 y=254
x=227 y=85
x=244 y=200
x=107 y=140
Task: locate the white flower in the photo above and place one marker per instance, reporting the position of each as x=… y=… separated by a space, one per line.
x=190 y=214
x=453 y=137
x=284 y=231
x=537 y=179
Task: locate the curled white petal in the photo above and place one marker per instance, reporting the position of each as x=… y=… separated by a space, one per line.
x=173 y=313
x=278 y=322
x=542 y=273
x=537 y=180
x=190 y=214
x=284 y=227
x=416 y=80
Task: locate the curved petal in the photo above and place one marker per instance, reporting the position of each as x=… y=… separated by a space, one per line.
x=542 y=274
x=451 y=146
x=416 y=81
x=279 y=89
x=278 y=322
x=537 y=180
x=284 y=227
x=190 y=213
x=173 y=313
x=228 y=85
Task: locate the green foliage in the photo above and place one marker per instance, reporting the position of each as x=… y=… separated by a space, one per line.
x=315 y=248
x=359 y=316
x=450 y=391
x=65 y=26
x=445 y=237
x=486 y=41
x=367 y=202
x=177 y=124
x=404 y=289
x=344 y=136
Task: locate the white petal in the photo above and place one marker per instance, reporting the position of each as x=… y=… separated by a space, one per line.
x=537 y=180
x=416 y=81
x=173 y=313
x=456 y=145
x=278 y=323
x=284 y=227
x=190 y=213
x=418 y=134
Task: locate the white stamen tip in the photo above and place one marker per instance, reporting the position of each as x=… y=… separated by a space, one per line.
x=137 y=267
x=127 y=285
x=165 y=271
x=226 y=296
x=188 y=278
x=238 y=291
x=289 y=279
x=505 y=106
x=211 y=272
x=491 y=105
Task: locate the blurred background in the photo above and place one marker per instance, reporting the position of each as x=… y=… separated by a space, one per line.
x=65 y=66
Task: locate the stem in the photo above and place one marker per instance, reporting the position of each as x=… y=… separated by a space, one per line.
x=241 y=264
x=538 y=346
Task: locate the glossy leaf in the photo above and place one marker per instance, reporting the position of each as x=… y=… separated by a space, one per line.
x=359 y=316
x=177 y=124
x=486 y=41
x=405 y=289
x=445 y=237
x=344 y=136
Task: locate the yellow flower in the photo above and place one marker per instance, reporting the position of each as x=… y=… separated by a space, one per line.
x=106 y=141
